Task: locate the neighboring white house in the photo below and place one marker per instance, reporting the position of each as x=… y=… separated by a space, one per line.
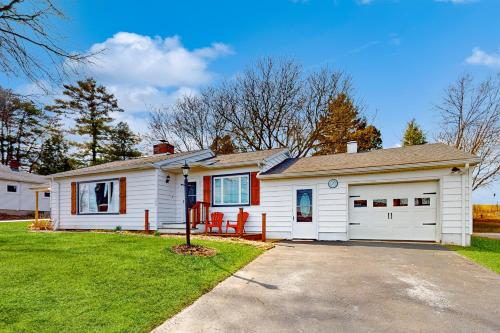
x=412 y=193
x=16 y=198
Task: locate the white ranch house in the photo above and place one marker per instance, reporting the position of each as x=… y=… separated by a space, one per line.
x=419 y=193
x=16 y=195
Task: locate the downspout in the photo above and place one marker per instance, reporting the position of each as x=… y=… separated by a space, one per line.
x=464 y=206
x=58 y=218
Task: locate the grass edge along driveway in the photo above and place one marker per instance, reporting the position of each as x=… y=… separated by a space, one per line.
x=106 y=282
x=483 y=251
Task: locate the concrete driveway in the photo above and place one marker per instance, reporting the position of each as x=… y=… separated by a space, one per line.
x=349 y=287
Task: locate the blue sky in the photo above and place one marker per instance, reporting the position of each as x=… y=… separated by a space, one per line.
x=401 y=54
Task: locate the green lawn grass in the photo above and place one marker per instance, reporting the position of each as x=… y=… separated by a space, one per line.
x=484 y=251
x=105 y=282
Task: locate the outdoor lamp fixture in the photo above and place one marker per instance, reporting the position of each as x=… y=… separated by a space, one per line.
x=185 y=171
x=167 y=179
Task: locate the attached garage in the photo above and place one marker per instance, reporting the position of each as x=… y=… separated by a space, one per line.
x=416 y=193
x=401 y=211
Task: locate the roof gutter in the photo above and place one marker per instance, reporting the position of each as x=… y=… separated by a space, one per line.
x=96 y=172
x=365 y=170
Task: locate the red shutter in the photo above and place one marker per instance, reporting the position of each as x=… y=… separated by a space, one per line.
x=73 y=198
x=207 y=184
x=123 y=195
x=255 y=189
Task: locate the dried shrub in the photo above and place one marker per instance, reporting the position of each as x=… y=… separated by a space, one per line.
x=41 y=225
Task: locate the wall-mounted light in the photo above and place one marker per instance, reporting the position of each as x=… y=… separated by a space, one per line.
x=167 y=179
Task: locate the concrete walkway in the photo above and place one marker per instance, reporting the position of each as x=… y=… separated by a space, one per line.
x=349 y=287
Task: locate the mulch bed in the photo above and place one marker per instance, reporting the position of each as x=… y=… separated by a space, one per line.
x=194 y=250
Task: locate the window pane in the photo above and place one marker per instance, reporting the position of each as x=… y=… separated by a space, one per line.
x=11 y=188
x=379 y=202
x=101 y=197
x=244 y=190
x=360 y=203
x=217 y=191
x=304 y=205
x=83 y=190
x=114 y=197
x=422 y=201
x=400 y=202
x=46 y=194
x=231 y=190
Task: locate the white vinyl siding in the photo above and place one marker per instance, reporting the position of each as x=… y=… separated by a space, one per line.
x=453 y=207
x=167 y=198
x=23 y=199
x=141 y=195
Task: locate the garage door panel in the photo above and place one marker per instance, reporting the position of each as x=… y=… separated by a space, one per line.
x=402 y=211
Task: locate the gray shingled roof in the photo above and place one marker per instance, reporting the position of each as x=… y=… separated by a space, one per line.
x=20 y=176
x=436 y=152
x=135 y=163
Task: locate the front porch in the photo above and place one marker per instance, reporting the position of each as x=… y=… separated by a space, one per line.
x=200 y=214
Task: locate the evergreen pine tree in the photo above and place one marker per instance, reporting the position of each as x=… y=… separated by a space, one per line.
x=122 y=143
x=343 y=123
x=54 y=155
x=413 y=134
x=92 y=105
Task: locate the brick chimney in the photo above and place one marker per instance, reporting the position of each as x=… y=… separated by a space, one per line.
x=163 y=148
x=14 y=165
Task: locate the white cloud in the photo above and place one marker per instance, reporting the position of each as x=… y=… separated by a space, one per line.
x=480 y=57
x=161 y=62
x=146 y=72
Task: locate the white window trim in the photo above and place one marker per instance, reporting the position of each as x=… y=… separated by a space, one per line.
x=222 y=177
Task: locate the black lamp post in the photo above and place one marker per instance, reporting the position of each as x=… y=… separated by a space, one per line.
x=185 y=171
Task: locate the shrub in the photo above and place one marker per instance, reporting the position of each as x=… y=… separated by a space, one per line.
x=42 y=225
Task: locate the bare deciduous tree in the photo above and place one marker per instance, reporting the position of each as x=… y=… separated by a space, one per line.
x=189 y=124
x=25 y=35
x=470 y=120
x=271 y=104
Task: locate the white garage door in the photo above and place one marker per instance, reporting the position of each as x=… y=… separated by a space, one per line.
x=403 y=211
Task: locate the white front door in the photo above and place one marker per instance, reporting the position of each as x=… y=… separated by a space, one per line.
x=403 y=211
x=304 y=224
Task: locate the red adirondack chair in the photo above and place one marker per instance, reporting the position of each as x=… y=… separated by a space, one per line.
x=239 y=226
x=216 y=220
